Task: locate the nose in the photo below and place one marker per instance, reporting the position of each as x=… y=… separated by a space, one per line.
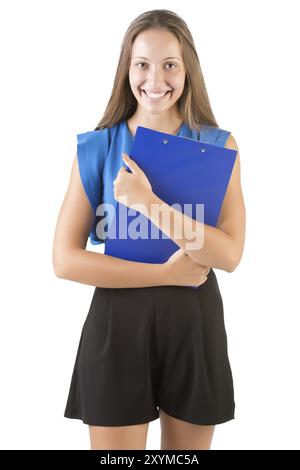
x=155 y=78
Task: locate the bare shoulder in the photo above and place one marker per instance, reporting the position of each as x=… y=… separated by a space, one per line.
x=231 y=143
x=236 y=172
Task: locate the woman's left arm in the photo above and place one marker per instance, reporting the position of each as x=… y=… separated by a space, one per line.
x=221 y=247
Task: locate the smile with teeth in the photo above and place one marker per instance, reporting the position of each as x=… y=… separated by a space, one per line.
x=155 y=96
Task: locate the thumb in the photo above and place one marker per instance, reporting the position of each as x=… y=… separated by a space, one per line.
x=131 y=164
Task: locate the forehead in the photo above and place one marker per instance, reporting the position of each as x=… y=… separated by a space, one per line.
x=156 y=45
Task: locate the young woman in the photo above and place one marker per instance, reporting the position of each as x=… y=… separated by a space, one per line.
x=150 y=346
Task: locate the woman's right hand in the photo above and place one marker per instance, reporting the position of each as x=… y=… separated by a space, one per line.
x=183 y=271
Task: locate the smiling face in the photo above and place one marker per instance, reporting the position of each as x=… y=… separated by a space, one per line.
x=156 y=73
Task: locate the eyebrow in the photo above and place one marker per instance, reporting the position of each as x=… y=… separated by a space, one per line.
x=139 y=57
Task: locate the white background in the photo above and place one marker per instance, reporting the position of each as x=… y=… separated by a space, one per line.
x=58 y=62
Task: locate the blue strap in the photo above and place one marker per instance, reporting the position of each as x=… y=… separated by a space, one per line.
x=214 y=135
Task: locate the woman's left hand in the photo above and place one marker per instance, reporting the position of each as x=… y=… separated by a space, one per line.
x=132 y=188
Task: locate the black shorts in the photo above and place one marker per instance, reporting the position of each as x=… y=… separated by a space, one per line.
x=151 y=348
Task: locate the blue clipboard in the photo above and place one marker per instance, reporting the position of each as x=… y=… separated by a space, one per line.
x=181 y=171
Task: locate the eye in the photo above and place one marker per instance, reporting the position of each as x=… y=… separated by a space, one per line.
x=168 y=63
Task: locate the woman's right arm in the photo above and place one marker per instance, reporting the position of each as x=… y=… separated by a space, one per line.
x=72 y=261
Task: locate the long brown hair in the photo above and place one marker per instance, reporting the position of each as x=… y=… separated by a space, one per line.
x=193 y=105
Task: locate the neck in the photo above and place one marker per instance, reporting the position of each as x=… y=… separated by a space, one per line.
x=169 y=125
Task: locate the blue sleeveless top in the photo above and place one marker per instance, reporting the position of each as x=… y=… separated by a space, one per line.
x=99 y=155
